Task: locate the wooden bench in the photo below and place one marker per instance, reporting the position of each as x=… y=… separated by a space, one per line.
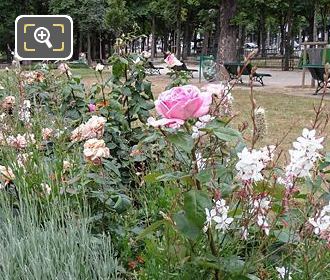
x=151 y=69
x=184 y=67
x=232 y=69
x=317 y=72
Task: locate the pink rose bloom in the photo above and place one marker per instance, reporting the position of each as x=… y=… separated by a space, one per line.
x=91 y=107
x=172 y=61
x=183 y=103
x=95 y=150
x=93 y=128
x=47 y=133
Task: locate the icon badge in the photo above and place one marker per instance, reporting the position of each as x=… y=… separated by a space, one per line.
x=43 y=37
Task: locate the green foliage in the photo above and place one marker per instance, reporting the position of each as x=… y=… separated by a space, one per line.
x=61 y=246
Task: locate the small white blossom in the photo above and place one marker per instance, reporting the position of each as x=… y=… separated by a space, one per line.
x=218 y=215
x=46 y=188
x=99 y=67
x=201 y=123
x=283 y=273
x=321 y=222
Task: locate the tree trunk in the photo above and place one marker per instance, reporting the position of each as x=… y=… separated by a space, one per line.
x=153 y=37
x=178 y=33
x=94 y=44
x=206 y=42
x=241 y=41
x=80 y=42
x=187 y=40
x=100 y=45
x=89 y=58
x=315 y=36
x=263 y=35
x=165 y=42
x=288 y=38
x=282 y=42
x=227 y=42
x=216 y=37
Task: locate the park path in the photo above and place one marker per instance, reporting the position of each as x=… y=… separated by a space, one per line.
x=282 y=82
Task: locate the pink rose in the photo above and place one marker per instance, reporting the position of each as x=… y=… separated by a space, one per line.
x=172 y=61
x=91 y=107
x=183 y=103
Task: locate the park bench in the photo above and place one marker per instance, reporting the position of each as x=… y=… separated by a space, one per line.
x=232 y=69
x=151 y=69
x=184 y=67
x=317 y=72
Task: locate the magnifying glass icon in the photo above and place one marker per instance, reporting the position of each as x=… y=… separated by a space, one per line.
x=41 y=35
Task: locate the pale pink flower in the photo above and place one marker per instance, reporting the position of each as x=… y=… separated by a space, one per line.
x=183 y=103
x=172 y=61
x=22 y=159
x=6 y=173
x=95 y=150
x=67 y=165
x=18 y=142
x=8 y=102
x=64 y=69
x=93 y=128
x=47 y=133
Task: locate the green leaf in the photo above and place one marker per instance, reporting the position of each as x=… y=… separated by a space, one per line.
x=286 y=236
x=152 y=177
x=190 y=221
x=227 y=134
x=172 y=176
x=195 y=203
x=232 y=265
x=185 y=226
x=150 y=229
x=182 y=140
x=204 y=175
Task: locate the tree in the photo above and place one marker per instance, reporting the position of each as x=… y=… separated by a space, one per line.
x=228 y=32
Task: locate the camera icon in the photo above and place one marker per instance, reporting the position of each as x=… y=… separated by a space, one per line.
x=43 y=37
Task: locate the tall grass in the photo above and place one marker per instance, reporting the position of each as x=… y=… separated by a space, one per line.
x=59 y=246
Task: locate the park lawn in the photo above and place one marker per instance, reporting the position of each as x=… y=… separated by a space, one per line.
x=283 y=113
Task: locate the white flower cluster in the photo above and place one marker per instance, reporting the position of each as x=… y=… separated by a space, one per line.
x=201 y=123
x=218 y=215
x=303 y=157
x=283 y=273
x=251 y=163
x=24 y=113
x=321 y=223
